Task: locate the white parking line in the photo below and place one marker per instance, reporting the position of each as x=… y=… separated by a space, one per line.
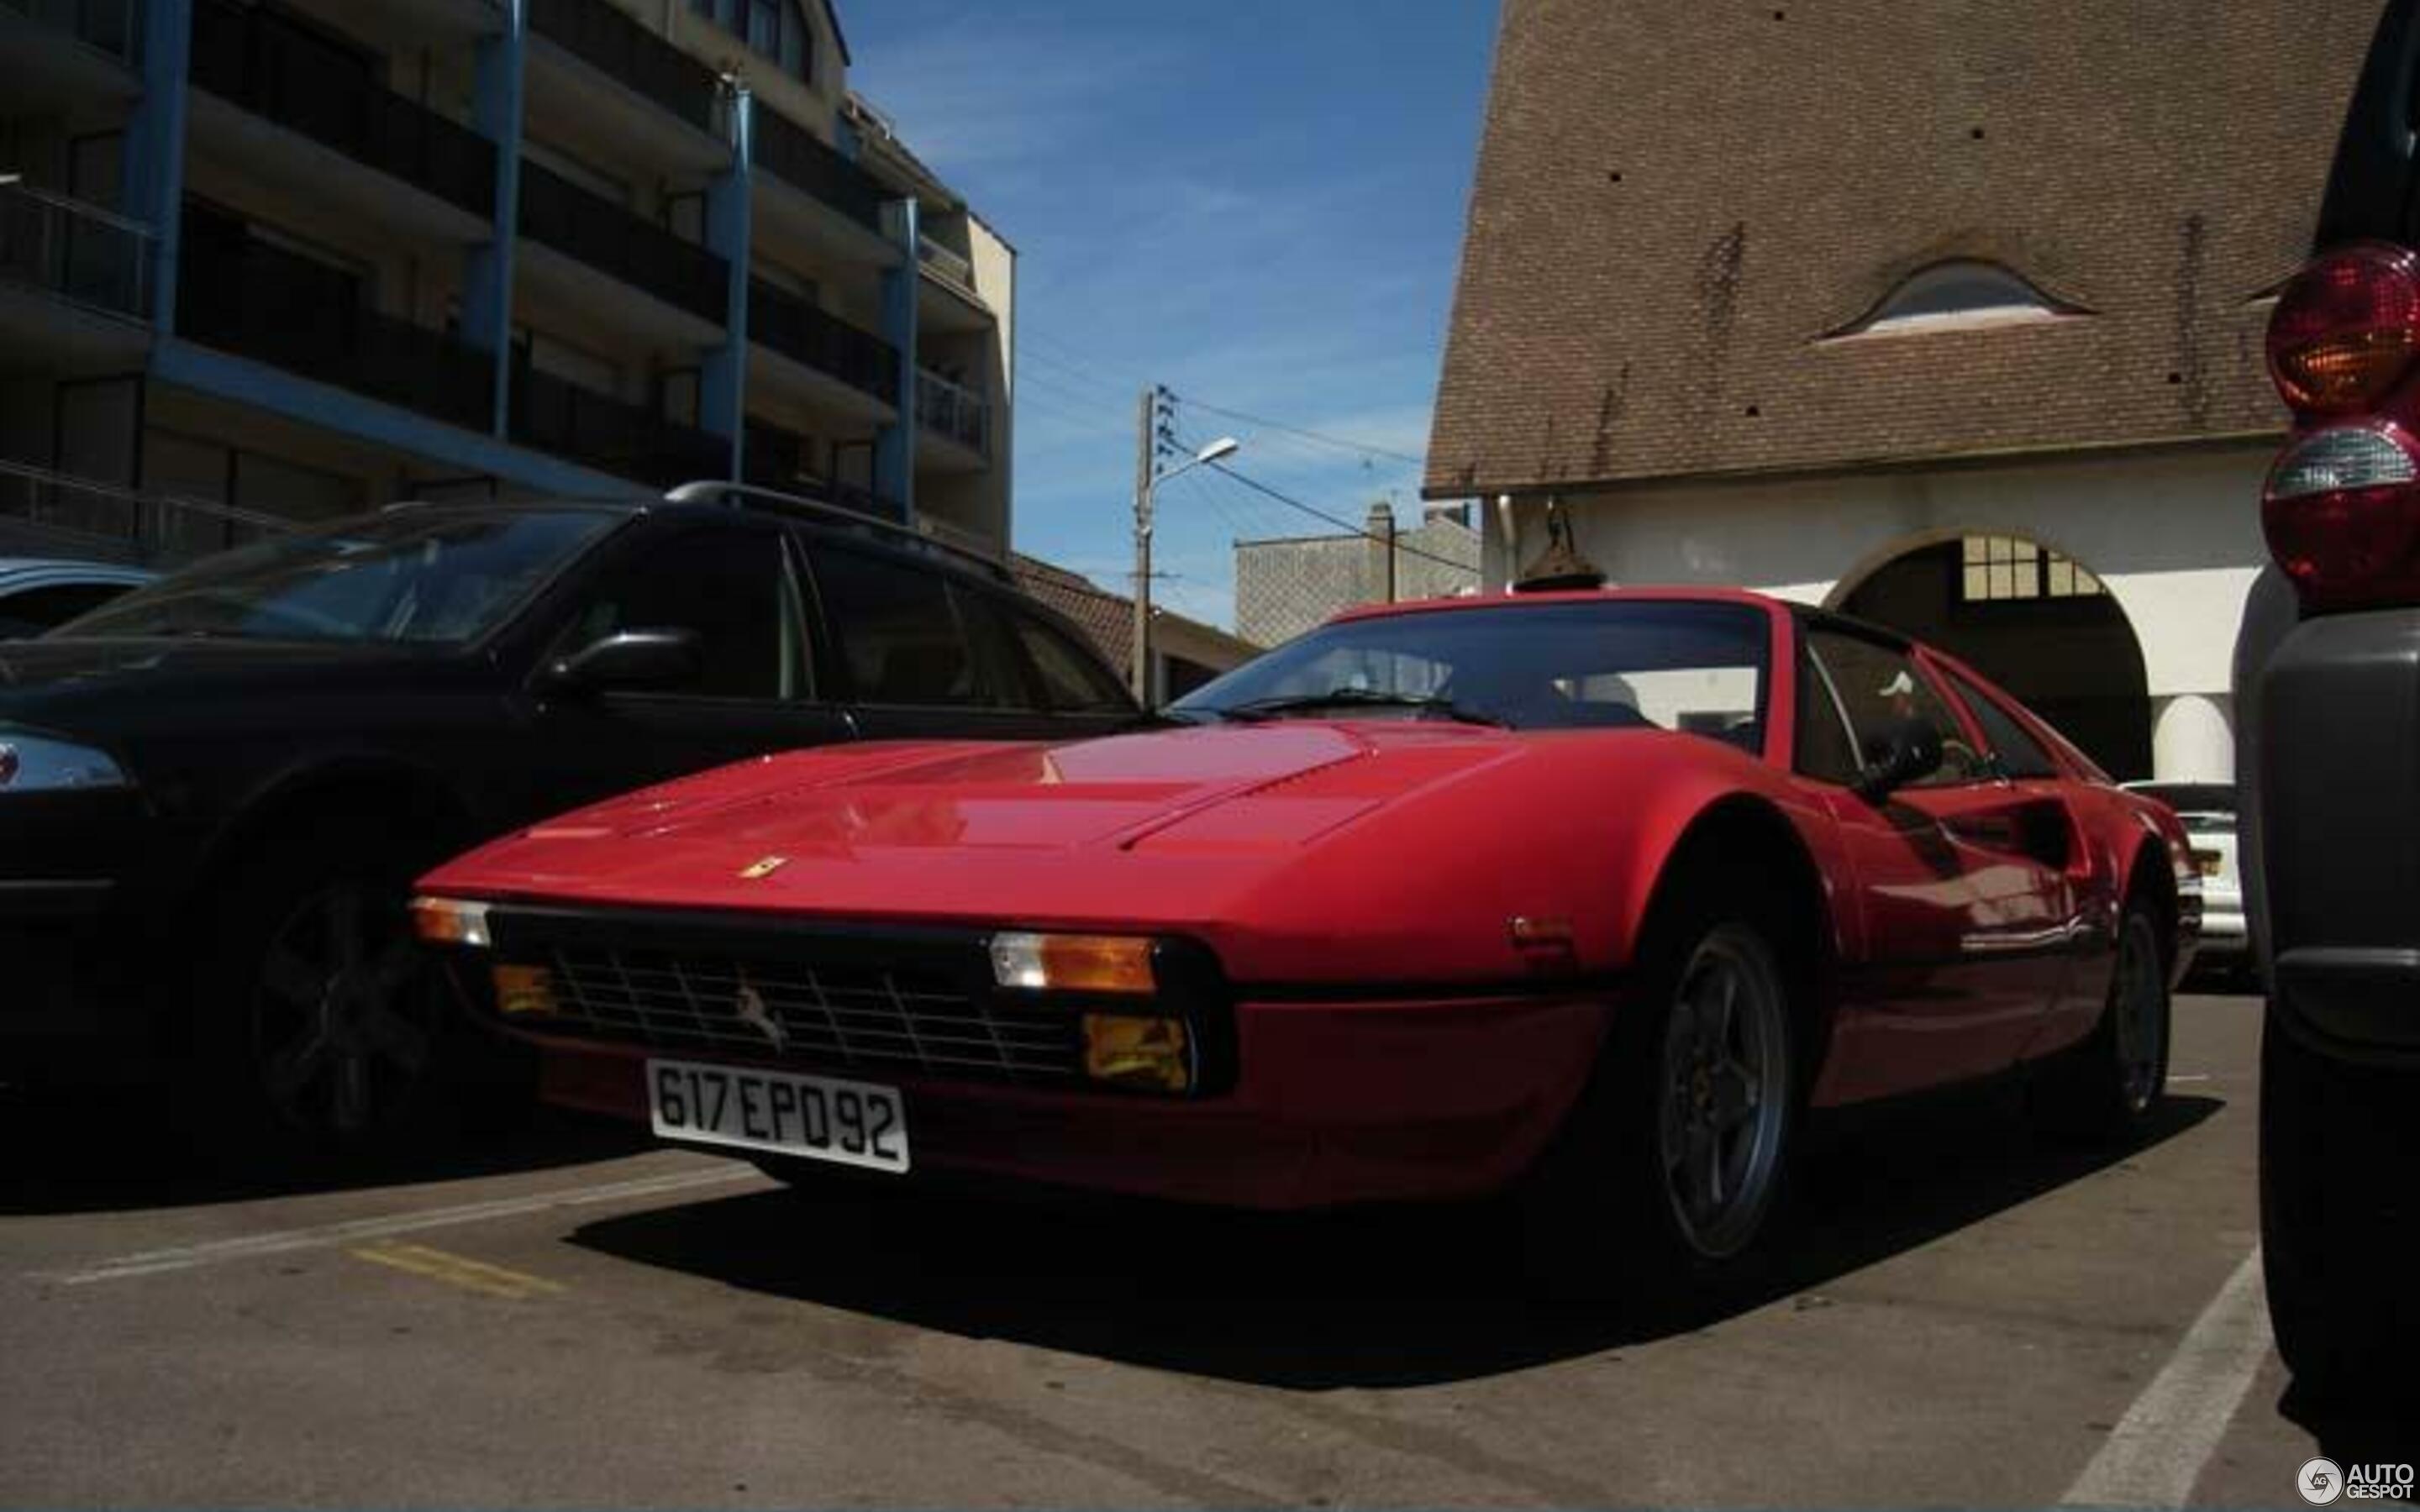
x=252 y=1246
x=2157 y=1451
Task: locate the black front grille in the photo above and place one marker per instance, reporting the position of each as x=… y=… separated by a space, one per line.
x=828 y=1015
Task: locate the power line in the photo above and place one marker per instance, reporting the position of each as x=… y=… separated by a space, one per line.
x=1348 y=528
x=1340 y=443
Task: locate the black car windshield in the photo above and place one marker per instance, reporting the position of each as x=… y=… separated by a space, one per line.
x=413 y=576
x=1612 y=663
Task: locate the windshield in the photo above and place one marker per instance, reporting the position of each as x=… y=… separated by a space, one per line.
x=1614 y=664
x=414 y=577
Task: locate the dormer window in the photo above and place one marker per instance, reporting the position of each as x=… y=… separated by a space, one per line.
x=1958 y=295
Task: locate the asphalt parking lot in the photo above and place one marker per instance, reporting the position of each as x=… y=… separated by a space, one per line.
x=1967 y=1314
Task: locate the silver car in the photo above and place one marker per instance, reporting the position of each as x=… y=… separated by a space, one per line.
x=2207 y=810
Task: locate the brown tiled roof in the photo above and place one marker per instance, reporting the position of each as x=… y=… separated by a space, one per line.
x=1678 y=199
x=1106 y=618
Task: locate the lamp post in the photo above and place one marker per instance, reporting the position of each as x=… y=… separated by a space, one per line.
x=1147 y=483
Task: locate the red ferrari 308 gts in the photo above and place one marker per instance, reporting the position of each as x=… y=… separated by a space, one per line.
x=1587 y=896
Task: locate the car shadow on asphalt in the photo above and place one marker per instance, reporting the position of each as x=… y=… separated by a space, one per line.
x=1390 y=1297
x=94 y=1152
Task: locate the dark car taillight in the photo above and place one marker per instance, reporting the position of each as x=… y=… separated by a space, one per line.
x=2345 y=329
x=2342 y=507
x=2342 y=514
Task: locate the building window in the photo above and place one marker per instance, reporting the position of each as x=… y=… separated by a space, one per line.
x=2001 y=568
x=1955 y=295
x=764 y=26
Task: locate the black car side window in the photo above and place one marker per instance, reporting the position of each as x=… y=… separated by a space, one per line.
x=730 y=587
x=902 y=633
x=2020 y=755
x=1879 y=685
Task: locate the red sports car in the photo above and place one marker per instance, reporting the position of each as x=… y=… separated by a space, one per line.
x=1588 y=895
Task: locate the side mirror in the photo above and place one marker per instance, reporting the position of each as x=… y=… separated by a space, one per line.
x=1899 y=754
x=627 y=661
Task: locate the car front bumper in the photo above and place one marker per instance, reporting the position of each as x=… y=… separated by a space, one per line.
x=1329 y=1104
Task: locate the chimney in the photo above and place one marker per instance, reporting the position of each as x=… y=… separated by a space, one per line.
x=1379 y=526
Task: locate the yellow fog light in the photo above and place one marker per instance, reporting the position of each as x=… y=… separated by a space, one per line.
x=524 y=989
x=1072 y=963
x=1138 y=1052
x=450 y=921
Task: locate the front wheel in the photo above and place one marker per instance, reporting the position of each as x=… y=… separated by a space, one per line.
x=1673 y=1165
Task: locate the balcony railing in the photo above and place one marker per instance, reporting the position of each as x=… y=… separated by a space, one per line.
x=258 y=301
x=779 y=458
x=798 y=330
x=114 y=26
x=950 y=267
x=620 y=46
x=75 y=251
x=612 y=239
x=258 y=61
x=556 y=415
x=43 y=511
x=958 y=412
x=806 y=162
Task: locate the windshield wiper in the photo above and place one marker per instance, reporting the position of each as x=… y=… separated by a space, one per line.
x=1254 y=710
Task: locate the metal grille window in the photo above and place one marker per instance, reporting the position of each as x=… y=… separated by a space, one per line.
x=1998 y=568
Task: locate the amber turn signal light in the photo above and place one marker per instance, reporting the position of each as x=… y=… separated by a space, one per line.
x=1072 y=963
x=1126 y=1050
x=450 y=921
x=522 y=990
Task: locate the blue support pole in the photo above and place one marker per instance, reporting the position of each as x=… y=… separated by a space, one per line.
x=723 y=388
x=488 y=274
x=894 y=445
x=155 y=148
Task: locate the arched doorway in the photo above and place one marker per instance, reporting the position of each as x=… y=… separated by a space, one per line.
x=2034 y=620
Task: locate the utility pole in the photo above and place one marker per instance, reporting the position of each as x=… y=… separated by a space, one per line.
x=1146 y=426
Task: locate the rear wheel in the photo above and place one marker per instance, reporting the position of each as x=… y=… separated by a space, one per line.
x=2339 y=1216
x=2111 y=1086
x=1674 y=1163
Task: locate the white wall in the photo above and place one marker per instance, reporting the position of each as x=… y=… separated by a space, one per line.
x=2175 y=533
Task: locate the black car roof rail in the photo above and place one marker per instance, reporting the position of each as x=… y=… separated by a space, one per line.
x=823 y=511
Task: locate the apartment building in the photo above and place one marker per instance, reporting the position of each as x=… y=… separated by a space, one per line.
x=264 y=261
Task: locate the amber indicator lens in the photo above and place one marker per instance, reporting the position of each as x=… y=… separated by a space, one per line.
x=1130 y=1050
x=2345 y=329
x=1072 y=963
x=450 y=921
x=524 y=989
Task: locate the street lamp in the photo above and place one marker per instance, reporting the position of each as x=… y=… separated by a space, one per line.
x=1147 y=483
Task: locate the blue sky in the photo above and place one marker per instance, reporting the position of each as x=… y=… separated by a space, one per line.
x=1258 y=203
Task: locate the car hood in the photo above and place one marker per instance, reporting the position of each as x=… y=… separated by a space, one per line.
x=1167 y=824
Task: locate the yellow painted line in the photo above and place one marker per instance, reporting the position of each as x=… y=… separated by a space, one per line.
x=457 y=1271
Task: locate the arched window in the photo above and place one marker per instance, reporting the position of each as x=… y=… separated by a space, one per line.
x=1959 y=293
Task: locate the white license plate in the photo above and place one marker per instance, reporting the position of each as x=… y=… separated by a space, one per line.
x=815 y=1117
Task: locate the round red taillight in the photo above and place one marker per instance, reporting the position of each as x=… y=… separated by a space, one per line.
x=2342 y=514
x=2347 y=329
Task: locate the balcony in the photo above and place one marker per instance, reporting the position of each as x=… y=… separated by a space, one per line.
x=807 y=163
x=256 y=300
x=581 y=425
x=610 y=41
x=947 y=409
x=557 y=213
x=788 y=325
x=272 y=69
x=778 y=459
x=111 y=26
x=48 y=513
x=75 y=252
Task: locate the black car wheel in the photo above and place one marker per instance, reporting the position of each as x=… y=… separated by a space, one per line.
x=2112 y=1085
x=1673 y=1165
x=326 y=1026
x=2339 y=1217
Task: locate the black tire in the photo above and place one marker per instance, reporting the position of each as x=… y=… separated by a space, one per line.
x=2339 y=1218
x=322 y=1028
x=1680 y=1108
x=2110 y=1086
